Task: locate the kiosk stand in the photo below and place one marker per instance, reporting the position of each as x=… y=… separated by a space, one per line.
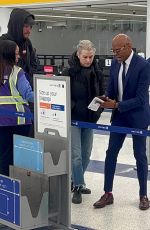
x=53 y=125
x=37 y=193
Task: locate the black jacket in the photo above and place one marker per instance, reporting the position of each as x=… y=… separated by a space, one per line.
x=27 y=59
x=86 y=83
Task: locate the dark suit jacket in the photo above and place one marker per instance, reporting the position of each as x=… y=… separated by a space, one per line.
x=134 y=107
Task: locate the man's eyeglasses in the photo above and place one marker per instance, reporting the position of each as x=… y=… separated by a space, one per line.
x=117 y=50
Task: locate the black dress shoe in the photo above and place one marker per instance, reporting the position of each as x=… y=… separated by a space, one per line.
x=77 y=196
x=85 y=190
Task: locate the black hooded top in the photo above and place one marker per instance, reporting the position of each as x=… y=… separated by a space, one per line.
x=86 y=83
x=27 y=61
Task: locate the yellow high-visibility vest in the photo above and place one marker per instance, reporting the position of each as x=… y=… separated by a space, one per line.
x=14 y=98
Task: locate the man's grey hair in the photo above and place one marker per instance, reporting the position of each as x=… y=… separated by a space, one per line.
x=85 y=45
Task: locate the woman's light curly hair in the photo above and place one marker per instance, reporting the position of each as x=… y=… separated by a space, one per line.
x=85 y=45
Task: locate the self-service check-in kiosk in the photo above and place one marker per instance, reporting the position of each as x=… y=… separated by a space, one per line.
x=37 y=193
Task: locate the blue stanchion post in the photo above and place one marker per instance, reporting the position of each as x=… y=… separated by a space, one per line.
x=148 y=142
x=148 y=150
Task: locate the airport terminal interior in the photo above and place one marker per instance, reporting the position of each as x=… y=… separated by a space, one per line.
x=124 y=214
x=57 y=31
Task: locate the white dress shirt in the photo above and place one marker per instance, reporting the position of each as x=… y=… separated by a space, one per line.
x=120 y=85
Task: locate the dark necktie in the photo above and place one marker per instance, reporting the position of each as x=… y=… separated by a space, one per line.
x=123 y=73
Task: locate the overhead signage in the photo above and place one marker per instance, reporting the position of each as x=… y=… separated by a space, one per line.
x=48 y=69
x=51 y=106
x=108 y=62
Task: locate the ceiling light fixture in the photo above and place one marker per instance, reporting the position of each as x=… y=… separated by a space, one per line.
x=137 y=5
x=43 y=20
x=70 y=17
x=107 y=13
x=128 y=20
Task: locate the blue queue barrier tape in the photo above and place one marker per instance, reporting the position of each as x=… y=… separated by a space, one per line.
x=109 y=128
x=5 y=112
x=81 y=124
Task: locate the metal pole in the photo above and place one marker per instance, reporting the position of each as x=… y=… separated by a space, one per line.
x=148 y=150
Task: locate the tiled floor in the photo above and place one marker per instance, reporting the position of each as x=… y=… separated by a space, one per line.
x=124 y=213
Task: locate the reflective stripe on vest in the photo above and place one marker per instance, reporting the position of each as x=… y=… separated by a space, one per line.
x=14 y=92
x=15 y=97
x=9 y=100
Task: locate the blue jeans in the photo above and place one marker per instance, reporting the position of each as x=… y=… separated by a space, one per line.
x=81 y=147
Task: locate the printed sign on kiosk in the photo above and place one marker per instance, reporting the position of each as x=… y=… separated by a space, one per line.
x=51 y=106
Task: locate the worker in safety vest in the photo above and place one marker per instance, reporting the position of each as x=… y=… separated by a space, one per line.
x=15 y=93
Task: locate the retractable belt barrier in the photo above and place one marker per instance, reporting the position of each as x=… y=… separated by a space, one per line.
x=5 y=112
x=109 y=128
x=81 y=124
x=116 y=129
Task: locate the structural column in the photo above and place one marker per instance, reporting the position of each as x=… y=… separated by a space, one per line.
x=4 y=16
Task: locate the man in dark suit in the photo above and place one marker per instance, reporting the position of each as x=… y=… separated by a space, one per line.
x=128 y=96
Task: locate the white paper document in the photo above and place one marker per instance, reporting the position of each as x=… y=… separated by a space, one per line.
x=95 y=104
